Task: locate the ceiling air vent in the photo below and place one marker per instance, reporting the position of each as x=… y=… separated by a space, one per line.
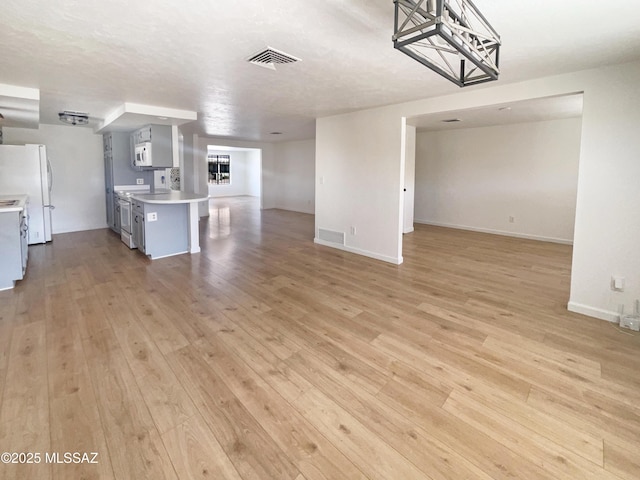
x=270 y=57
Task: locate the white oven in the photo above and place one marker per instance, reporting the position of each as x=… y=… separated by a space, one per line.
x=125 y=221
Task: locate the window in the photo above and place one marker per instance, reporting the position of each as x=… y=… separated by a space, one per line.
x=219 y=169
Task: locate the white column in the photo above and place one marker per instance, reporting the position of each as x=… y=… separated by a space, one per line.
x=194 y=232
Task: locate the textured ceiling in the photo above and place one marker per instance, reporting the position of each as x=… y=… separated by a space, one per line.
x=94 y=55
x=534 y=110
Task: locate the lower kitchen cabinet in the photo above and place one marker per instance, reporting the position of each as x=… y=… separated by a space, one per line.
x=160 y=230
x=117 y=219
x=137 y=228
x=13 y=248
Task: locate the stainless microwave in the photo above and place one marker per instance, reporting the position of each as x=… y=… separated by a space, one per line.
x=142 y=156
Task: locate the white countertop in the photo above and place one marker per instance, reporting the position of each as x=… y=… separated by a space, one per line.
x=169 y=197
x=126 y=191
x=22 y=202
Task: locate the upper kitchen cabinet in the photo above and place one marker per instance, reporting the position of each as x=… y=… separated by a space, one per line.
x=153 y=147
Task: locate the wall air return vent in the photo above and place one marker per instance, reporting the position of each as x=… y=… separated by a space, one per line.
x=331 y=236
x=270 y=57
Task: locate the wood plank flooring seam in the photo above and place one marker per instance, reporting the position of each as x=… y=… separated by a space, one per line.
x=95 y=392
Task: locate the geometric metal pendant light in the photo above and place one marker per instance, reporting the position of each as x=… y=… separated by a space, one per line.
x=451 y=37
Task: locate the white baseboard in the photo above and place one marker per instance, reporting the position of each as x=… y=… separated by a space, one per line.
x=594 y=312
x=408 y=230
x=289 y=209
x=79 y=228
x=527 y=236
x=366 y=253
x=229 y=195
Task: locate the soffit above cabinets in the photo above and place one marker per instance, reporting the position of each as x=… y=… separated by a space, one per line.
x=20 y=106
x=130 y=116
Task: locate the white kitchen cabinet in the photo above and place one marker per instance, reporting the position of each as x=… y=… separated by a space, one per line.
x=13 y=247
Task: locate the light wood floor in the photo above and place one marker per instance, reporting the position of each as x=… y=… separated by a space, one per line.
x=268 y=357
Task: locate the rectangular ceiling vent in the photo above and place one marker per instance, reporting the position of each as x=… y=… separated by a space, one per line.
x=270 y=57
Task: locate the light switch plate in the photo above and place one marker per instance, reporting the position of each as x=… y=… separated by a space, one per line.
x=140 y=181
x=617 y=283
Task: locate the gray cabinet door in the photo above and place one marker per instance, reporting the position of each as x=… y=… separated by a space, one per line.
x=111 y=215
x=137 y=230
x=24 y=240
x=108 y=184
x=116 y=214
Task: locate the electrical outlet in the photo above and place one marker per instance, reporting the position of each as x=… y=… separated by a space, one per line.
x=353 y=230
x=140 y=181
x=631 y=322
x=152 y=216
x=512 y=219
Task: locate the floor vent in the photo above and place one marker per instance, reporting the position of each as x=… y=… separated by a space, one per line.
x=331 y=236
x=270 y=57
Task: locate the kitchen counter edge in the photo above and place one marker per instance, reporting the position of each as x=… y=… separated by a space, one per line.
x=167 y=198
x=22 y=199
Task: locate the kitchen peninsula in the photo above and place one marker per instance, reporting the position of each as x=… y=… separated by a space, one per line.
x=166 y=223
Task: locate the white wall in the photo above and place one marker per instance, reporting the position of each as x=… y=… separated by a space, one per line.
x=78 y=191
x=359 y=181
x=295 y=175
x=476 y=178
x=359 y=154
x=254 y=180
x=245 y=174
x=607 y=221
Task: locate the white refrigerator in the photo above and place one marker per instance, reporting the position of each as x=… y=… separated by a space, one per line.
x=25 y=169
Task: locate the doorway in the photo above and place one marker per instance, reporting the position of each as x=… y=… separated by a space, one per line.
x=507 y=169
x=234 y=171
